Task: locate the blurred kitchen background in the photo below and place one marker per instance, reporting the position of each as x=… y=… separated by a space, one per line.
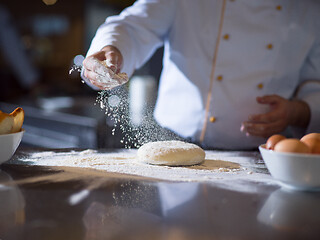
x=39 y=42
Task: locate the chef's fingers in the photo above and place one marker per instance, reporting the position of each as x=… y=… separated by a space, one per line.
x=268 y=117
x=263 y=118
x=92 y=76
x=262 y=129
x=93 y=61
x=100 y=55
x=88 y=74
x=113 y=63
x=98 y=67
x=278 y=109
x=113 y=58
x=100 y=81
x=90 y=63
x=87 y=65
x=269 y=99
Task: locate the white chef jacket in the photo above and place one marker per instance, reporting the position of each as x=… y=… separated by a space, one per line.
x=266 y=47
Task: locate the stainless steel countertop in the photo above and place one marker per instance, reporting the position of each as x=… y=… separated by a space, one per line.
x=63 y=203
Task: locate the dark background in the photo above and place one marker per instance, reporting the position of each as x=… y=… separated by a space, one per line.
x=50 y=34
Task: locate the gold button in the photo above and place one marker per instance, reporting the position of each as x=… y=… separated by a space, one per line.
x=226 y=37
x=219 y=78
x=279 y=7
x=269 y=46
x=260 y=85
x=212 y=119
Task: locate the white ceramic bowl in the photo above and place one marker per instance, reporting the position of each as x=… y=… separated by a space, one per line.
x=293 y=170
x=9 y=144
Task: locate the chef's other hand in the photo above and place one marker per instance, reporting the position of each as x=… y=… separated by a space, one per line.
x=282 y=113
x=96 y=72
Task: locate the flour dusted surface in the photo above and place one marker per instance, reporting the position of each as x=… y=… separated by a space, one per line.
x=240 y=171
x=170 y=153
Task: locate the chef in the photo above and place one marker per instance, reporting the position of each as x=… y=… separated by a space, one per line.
x=234 y=71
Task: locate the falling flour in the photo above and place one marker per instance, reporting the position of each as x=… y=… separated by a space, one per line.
x=115 y=103
x=75 y=68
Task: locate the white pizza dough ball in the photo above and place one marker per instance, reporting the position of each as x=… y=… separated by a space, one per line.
x=170 y=153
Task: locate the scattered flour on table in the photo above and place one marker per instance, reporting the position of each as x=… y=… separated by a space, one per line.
x=230 y=170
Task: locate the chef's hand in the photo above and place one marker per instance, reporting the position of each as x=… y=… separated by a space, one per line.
x=282 y=113
x=96 y=72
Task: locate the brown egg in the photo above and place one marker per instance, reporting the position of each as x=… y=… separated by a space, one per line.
x=273 y=140
x=311 y=135
x=292 y=145
x=313 y=143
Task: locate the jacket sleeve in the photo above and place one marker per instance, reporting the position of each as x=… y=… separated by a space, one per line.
x=309 y=90
x=137 y=32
